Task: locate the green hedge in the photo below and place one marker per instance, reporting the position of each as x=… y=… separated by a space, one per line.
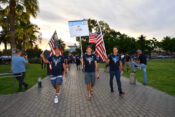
x=35 y=60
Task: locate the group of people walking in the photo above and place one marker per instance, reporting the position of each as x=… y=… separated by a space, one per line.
x=89 y=62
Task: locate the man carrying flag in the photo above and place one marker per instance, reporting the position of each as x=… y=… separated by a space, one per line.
x=90 y=66
x=58 y=67
x=114 y=60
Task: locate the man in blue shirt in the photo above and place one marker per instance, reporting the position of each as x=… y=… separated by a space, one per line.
x=115 y=65
x=90 y=66
x=58 y=68
x=18 y=68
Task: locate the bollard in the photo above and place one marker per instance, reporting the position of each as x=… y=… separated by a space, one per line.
x=39 y=82
x=132 y=78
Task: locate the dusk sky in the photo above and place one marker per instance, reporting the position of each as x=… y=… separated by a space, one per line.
x=152 y=18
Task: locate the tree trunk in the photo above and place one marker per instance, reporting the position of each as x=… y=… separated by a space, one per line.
x=12 y=25
x=5 y=46
x=24 y=41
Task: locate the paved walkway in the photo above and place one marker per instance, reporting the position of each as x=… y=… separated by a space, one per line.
x=139 y=101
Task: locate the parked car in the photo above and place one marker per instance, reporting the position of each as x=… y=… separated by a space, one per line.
x=5 y=59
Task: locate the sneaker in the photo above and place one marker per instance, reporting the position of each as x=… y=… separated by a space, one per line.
x=112 y=90
x=56 y=99
x=121 y=93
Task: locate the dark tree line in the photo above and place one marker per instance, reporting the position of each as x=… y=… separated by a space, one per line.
x=125 y=43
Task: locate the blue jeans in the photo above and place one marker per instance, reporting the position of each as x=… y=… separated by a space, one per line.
x=117 y=76
x=143 y=67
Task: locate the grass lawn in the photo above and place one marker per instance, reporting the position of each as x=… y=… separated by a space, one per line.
x=160 y=75
x=32 y=73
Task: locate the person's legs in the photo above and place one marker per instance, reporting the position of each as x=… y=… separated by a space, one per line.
x=123 y=63
x=88 y=83
x=111 y=80
x=20 y=83
x=144 y=73
x=128 y=66
x=93 y=79
x=117 y=74
x=89 y=90
x=22 y=78
x=135 y=64
x=57 y=88
x=78 y=66
x=57 y=84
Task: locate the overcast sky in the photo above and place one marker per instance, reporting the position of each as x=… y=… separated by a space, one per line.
x=152 y=18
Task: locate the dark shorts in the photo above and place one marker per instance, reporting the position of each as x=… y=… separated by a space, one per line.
x=69 y=62
x=78 y=63
x=56 y=80
x=123 y=62
x=90 y=77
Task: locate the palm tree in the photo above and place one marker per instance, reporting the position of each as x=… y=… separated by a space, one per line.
x=29 y=6
x=4 y=34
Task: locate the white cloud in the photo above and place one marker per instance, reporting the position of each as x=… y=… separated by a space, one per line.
x=133 y=17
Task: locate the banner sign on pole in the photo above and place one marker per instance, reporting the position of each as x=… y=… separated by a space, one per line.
x=78 y=28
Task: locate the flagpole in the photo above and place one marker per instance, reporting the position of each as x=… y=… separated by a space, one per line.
x=45 y=48
x=48 y=43
x=81 y=47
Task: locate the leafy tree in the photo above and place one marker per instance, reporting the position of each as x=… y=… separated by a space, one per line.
x=168 y=44
x=28 y=7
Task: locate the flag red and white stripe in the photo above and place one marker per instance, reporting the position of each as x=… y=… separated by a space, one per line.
x=97 y=38
x=100 y=47
x=52 y=45
x=92 y=38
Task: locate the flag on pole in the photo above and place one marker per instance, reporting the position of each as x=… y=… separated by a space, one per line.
x=52 y=43
x=92 y=38
x=100 y=46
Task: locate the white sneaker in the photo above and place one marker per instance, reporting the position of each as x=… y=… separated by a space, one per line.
x=56 y=99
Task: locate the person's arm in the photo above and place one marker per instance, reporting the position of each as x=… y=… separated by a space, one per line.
x=82 y=62
x=44 y=59
x=65 y=70
x=107 y=60
x=121 y=67
x=26 y=59
x=96 y=66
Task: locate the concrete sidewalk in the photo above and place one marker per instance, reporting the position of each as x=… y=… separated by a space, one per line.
x=139 y=101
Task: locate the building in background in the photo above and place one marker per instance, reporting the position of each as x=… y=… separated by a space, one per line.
x=72 y=48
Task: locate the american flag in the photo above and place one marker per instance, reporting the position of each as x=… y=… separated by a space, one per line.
x=97 y=38
x=92 y=38
x=52 y=45
x=100 y=46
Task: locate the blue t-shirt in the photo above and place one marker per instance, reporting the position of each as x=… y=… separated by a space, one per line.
x=69 y=59
x=18 y=64
x=98 y=59
x=77 y=59
x=114 y=62
x=57 y=65
x=89 y=62
x=143 y=59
